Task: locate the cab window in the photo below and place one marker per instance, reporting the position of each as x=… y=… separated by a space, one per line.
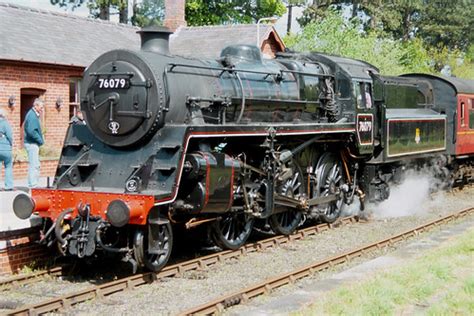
x=343 y=88
x=363 y=95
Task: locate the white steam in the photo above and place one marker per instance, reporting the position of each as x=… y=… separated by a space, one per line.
x=411 y=197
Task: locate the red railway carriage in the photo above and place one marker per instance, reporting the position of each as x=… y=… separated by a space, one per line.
x=455 y=98
x=465 y=121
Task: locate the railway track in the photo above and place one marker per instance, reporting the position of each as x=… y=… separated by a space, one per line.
x=102 y=290
x=24 y=279
x=220 y=304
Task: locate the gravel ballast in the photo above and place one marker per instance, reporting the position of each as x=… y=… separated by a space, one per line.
x=172 y=295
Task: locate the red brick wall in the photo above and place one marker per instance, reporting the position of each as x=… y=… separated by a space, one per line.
x=21 y=251
x=20 y=169
x=270 y=46
x=54 y=80
x=174 y=14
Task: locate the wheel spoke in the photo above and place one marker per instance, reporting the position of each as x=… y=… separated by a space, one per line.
x=287 y=220
x=330 y=176
x=232 y=230
x=295 y=178
x=296 y=187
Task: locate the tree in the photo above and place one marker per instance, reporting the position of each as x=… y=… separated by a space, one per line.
x=101 y=9
x=396 y=17
x=335 y=35
x=68 y=3
x=98 y=8
x=318 y=9
x=148 y=12
x=212 y=12
x=448 y=23
x=289 y=5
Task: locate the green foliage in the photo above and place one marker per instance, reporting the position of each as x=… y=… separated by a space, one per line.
x=334 y=35
x=318 y=10
x=67 y=3
x=447 y=23
x=101 y=9
x=438 y=23
x=461 y=64
x=397 y=17
x=149 y=12
x=212 y=12
x=98 y=8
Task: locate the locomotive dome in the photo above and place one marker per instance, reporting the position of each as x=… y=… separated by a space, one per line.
x=118 y=89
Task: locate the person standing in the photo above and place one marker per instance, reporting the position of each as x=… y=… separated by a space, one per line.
x=6 y=142
x=33 y=140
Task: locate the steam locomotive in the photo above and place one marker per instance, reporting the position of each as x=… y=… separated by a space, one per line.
x=238 y=142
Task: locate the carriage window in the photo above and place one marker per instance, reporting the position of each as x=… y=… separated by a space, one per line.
x=463 y=116
x=471 y=114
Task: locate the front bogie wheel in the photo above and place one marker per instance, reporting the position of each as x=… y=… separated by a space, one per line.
x=153 y=259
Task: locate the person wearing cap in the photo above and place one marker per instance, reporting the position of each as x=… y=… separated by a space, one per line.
x=6 y=142
x=33 y=140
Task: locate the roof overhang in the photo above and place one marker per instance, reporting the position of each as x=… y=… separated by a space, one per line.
x=36 y=63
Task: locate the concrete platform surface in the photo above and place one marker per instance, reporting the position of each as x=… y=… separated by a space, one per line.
x=302 y=297
x=8 y=220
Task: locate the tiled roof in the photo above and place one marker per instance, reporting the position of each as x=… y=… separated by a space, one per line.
x=50 y=37
x=55 y=38
x=208 y=41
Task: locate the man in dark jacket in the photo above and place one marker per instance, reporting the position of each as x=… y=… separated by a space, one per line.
x=6 y=142
x=33 y=140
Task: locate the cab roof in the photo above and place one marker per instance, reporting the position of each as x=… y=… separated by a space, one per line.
x=353 y=67
x=460 y=85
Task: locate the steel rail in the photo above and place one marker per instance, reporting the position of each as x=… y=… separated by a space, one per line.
x=25 y=279
x=218 y=305
x=102 y=290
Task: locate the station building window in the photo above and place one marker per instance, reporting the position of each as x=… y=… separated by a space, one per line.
x=28 y=96
x=74 y=98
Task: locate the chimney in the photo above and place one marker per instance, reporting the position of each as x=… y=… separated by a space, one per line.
x=155 y=39
x=174 y=14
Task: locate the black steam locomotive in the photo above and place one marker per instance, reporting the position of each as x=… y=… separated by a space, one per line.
x=232 y=143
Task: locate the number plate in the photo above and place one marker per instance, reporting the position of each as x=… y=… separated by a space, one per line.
x=113 y=83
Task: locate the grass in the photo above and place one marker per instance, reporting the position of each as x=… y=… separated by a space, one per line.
x=459 y=300
x=441 y=282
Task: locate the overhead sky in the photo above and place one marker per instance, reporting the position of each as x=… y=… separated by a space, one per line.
x=83 y=11
x=46 y=5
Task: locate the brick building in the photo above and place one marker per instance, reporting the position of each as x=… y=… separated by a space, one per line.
x=43 y=54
